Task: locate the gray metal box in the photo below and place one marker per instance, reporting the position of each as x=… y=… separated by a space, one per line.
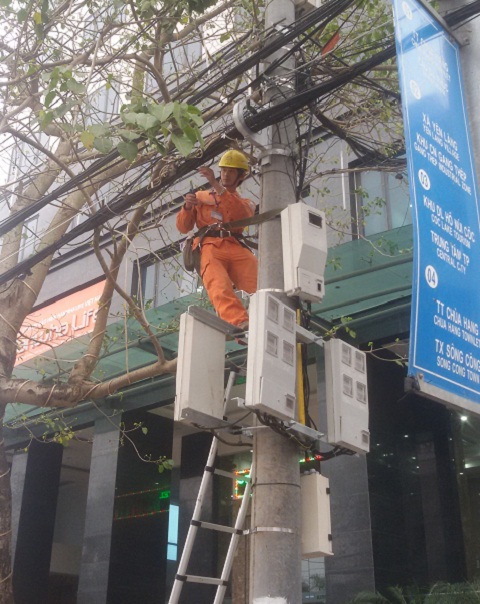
x=347 y=396
x=316 y=525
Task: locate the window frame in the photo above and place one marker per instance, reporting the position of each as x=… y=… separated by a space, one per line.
x=150 y=260
x=356 y=199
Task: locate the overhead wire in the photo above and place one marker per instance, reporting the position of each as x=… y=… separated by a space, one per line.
x=240 y=67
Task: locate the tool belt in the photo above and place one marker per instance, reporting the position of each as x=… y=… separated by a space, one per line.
x=223 y=233
x=191 y=257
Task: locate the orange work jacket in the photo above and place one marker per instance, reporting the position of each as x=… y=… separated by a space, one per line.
x=213 y=209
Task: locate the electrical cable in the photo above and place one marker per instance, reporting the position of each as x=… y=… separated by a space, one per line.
x=240 y=68
x=258 y=121
x=279 y=427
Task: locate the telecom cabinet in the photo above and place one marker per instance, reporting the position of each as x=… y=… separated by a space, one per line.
x=304 y=246
x=200 y=372
x=271 y=364
x=316 y=524
x=347 y=396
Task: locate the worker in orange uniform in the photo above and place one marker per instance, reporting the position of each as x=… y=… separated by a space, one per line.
x=224 y=262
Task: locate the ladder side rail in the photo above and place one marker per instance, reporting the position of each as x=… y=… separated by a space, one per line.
x=193 y=528
x=239 y=524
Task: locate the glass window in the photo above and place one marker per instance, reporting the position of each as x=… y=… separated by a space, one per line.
x=313 y=581
x=163 y=280
x=380 y=202
x=172 y=545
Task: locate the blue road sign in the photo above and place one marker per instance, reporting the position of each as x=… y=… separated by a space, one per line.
x=445 y=322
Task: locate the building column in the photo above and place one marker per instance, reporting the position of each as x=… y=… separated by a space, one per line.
x=35 y=482
x=95 y=563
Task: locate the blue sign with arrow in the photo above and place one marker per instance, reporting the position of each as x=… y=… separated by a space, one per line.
x=445 y=322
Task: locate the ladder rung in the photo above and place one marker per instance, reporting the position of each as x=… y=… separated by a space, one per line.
x=216 y=527
x=197 y=579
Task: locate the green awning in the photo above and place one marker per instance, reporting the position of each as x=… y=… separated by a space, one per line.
x=367 y=281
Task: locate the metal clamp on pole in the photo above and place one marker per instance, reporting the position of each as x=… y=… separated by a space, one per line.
x=274 y=150
x=257 y=139
x=268 y=529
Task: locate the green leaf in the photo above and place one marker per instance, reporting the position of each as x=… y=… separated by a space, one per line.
x=129 y=117
x=194 y=110
x=128 y=151
x=45 y=118
x=104 y=145
x=196 y=119
x=127 y=135
x=191 y=133
x=177 y=114
x=37 y=17
x=75 y=86
x=160 y=468
x=87 y=139
x=183 y=144
x=64 y=109
x=21 y=15
x=49 y=97
x=38 y=29
x=145 y=430
x=68 y=128
x=98 y=129
x=146 y=121
x=161 y=112
x=199 y=137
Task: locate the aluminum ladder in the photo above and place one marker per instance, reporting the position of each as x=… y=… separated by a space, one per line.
x=236 y=531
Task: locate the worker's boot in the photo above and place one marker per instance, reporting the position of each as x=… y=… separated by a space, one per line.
x=242 y=338
x=240 y=334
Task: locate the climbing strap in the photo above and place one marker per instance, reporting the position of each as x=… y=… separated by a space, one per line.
x=224 y=229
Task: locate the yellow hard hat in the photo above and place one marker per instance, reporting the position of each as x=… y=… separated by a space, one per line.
x=233 y=159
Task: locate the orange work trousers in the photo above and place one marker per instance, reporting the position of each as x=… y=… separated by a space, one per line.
x=224 y=264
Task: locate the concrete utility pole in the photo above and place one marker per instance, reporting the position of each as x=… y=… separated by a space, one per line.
x=275 y=571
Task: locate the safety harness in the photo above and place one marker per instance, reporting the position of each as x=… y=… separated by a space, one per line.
x=191 y=258
x=225 y=229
